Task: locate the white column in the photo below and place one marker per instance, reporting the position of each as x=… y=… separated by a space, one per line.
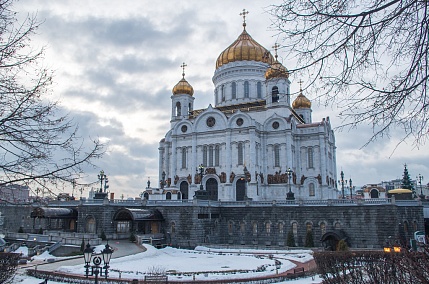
x=173 y=163
x=194 y=157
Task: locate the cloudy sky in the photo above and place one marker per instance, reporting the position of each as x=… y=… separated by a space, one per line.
x=116 y=63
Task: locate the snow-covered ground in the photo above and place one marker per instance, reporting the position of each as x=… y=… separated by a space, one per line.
x=201 y=264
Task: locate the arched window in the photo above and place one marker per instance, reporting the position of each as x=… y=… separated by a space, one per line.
x=242 y=228
x=210 y=156
x=240 y=153
x=217 y=155
x=295 y=229
x=281 y=228
x=255 y=228
x=223 y=92
x=276 y=155
x=311 y=191
x=205 y=156
x=322 y=228
x=168 y=196
x=275 y=94
x=259 y=90
x=246 y=89
x=268 y=228
x=230 y=227
x=183 y=158
x=310 y=157
x=309 y=227
x=337 y=226
x=234 y=90
x=178 y=109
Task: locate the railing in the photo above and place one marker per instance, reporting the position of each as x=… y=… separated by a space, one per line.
x=251 y=203
x=54 y=247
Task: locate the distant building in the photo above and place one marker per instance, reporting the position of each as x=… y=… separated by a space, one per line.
x=373 y=191
x=15 y=193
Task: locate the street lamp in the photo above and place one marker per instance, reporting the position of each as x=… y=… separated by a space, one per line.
x=97 y=269
x=342 y=183
x=420 y=178
x=102 y=177
x=351 y=188
x=290 y=195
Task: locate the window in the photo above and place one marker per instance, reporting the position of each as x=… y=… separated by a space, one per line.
x=281 y=228
x=230 y=227
x=295 y=229
x=234 y=90
x=268 y=228
x=123 y=227
x=242 y=228
x=275 y=94
x=255 y=228
x=322 y=228
x=240 y=153
x=223 y=92
x=311 y=191
x=309 y=227
x=337 y=226
x=168 y=196
x=178 y=109
x=276 y=156
x=246 y=89
x=173 y=228
x=217 y=155
x=210 y=156
x=205 y=156
x=183 y=158
x=310 y=157
x=190 y=107
x=259 y=90
x=405 y=227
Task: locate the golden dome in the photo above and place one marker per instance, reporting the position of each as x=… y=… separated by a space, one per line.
x=244 y=48
x=276 y=70
x=301 y=102
x=183 y=87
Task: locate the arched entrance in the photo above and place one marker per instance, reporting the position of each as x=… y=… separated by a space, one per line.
x=240 y=190
x=331 y=239
x=184 y=189
x=374 y=193
x=212 y=190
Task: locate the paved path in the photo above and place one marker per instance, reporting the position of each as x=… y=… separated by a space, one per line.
x=121 y=248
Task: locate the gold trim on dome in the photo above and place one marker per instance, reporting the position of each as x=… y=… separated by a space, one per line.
x=244 y=48
x=276 y=70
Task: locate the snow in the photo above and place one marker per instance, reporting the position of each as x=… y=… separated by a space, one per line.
x=200 y=264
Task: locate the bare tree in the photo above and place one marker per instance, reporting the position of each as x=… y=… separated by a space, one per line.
x=37 y=142
x=369 y=58
x=8 y=266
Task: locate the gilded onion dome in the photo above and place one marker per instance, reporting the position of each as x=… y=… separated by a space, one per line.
x=301 y=101
x=183 y=87
x=244 y=48
x=276 y=70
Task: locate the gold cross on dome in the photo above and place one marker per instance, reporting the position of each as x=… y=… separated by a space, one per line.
x=300 y=84
x=183 y=67
x=244 y=13
x=276 y=47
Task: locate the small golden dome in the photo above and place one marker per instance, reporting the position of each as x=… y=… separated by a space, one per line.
x=301 y=102
x=244 y=48
x=183 y=87
x=276 y=70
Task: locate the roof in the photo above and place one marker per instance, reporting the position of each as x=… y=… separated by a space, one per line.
x=135 y=214
x=54 y=213
x=400 y=191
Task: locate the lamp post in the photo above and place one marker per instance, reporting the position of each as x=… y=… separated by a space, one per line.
x=101 y=177
x=351 y=188
x=420 y=178
x=96 y=269
x=342 y=183
x=290 y=195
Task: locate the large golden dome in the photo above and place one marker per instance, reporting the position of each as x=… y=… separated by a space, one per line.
x=301 y=102
x=244 y=48
x=183 y=87
x=276 y=70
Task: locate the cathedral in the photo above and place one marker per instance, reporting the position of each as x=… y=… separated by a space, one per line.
x=256 y=142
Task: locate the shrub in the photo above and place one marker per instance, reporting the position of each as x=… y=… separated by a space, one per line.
x=342 y=246
x=309 y=240
x=103 y=235
x=21 y=230
x=133 y=237
x=290 y=239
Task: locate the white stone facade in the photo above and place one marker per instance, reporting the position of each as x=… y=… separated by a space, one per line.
x=253 y=127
